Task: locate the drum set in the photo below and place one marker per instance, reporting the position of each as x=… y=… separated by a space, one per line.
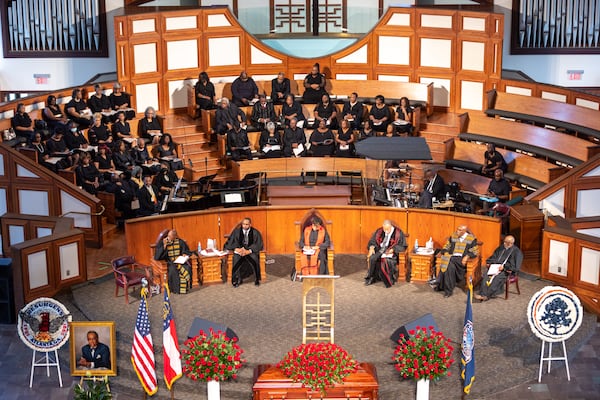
x=400 y=189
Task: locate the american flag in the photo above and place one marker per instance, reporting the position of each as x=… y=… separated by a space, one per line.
x=142 y=352
x=171 y=354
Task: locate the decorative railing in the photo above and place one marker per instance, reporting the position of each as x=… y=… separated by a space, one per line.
x=54 y=28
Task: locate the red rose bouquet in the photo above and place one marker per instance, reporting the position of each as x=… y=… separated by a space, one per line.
x=423 y=355
x=318 y=366
x=212 y=356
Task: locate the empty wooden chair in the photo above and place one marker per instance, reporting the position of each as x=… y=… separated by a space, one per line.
x=128 y=273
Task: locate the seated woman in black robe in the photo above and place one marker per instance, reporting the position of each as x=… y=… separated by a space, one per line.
x=291 y=109
x=205 y=93
x=280 y=87
x=322 y=141
x=121 y=129
x=22 y=123
x=121 y=101
x=270 y=142
x=149 y=126
x=404 y=117
x=104 y=163
x=366 y=131
x=123 y=160
x=99 y=133
x=75 y=139
x=314 y=85
x=345 y=140
x=167 y=150
x=380 y=114
x=326 y=111
x=53 y=116
x=43 y=154
x=353 y=111
x=88 y=176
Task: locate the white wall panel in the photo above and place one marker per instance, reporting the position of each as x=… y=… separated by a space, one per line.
x=41 y=232
x=176 y=23
x=143 y=25
x=351 y=77
x=16 y=234
x=1 y=165
x=558 y=257
x=216 y=20
x=3 y=206
x=471 y=95
x=398 y=19
x=69 y=261
x=38 y=269
x=23 y=172
x=592 y=172
x=147 y=96
x=223 y=51
x=436 y=21
x=144 y=58
x=554 y=204
x=394 y=50
x=69 y=203
x=436 y=53
x=518 y=90
x=393 y=78
x=474 y=24
x=473 y=55
x=182 y=54
x=590 y=231
x=178 y=93
x=590 y=266
x=441 y=90
x=357 y=57
x=34 y=202
x=587 y=203
x=554 y=96
x=587 y=103
x=258 y=56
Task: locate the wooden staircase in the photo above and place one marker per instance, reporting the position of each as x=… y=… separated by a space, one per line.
x=200 y=156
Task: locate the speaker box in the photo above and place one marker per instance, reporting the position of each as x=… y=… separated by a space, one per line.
x=203 y=324
x=423 y=321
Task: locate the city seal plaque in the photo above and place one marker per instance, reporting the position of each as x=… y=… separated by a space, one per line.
x=554 y=313
x=43 y=324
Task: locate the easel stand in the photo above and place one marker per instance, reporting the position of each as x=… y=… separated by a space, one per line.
x=45 y=361
x=95 y=379
x=550 y=359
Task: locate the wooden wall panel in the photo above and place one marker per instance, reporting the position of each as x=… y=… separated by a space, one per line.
x=141 y=233
x=345 y=229
x=196 y=228
x=282 y=231
x=428 y=223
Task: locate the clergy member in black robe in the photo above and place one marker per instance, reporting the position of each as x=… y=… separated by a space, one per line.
x=179 y=275
x=314 y=242
x=246 y=243
x=384 y=247
x=509 y=259
x=459 y=248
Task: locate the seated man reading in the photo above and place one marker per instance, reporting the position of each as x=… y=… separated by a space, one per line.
x=314 y=242
x=384 y=246
x=459 y=247
x=176 y=252
x=507 y=258
x=246 y=243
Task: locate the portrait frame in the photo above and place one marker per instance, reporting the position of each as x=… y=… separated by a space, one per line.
x=78 y=338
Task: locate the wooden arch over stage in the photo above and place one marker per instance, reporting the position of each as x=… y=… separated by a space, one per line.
x=351 y=227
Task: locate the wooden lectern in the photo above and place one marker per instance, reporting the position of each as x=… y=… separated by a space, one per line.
x=317 y=310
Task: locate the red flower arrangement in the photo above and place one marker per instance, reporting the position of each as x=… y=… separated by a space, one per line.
x=423 y=355
x=318 y=366
x=212 y=356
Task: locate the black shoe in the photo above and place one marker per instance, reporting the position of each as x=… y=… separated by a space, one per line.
x=369 y=281
x=236 y=284
x=446 y=295
x=257 y=283
x=437 y=289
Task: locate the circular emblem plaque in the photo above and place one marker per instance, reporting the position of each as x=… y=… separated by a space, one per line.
x=44 y=324
x=554 y=313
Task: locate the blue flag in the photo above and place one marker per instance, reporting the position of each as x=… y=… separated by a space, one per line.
x=468 y=345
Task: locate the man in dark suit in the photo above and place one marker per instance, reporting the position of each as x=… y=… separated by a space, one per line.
x=246 y=243
x=148 y=195
x=94 y=354
x=434 y=188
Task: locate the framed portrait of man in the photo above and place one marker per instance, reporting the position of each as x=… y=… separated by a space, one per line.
x=93 y=348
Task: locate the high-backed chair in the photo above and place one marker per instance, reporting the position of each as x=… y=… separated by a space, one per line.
x=513 y=277
x=128 y=274
x=302 y=224
x=159 y=267
x=262 y=258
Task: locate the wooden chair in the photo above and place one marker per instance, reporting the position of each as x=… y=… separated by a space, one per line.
x=513 y=277
x=262 y=258
x=302 y=224
x=128 y=274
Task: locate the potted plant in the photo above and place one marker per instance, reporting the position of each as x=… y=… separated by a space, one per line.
x=212 y=358
x=93 y=390
x=423 y=356
x=318 y=366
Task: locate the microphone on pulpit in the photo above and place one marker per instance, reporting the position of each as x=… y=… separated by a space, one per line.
x=205 y=166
